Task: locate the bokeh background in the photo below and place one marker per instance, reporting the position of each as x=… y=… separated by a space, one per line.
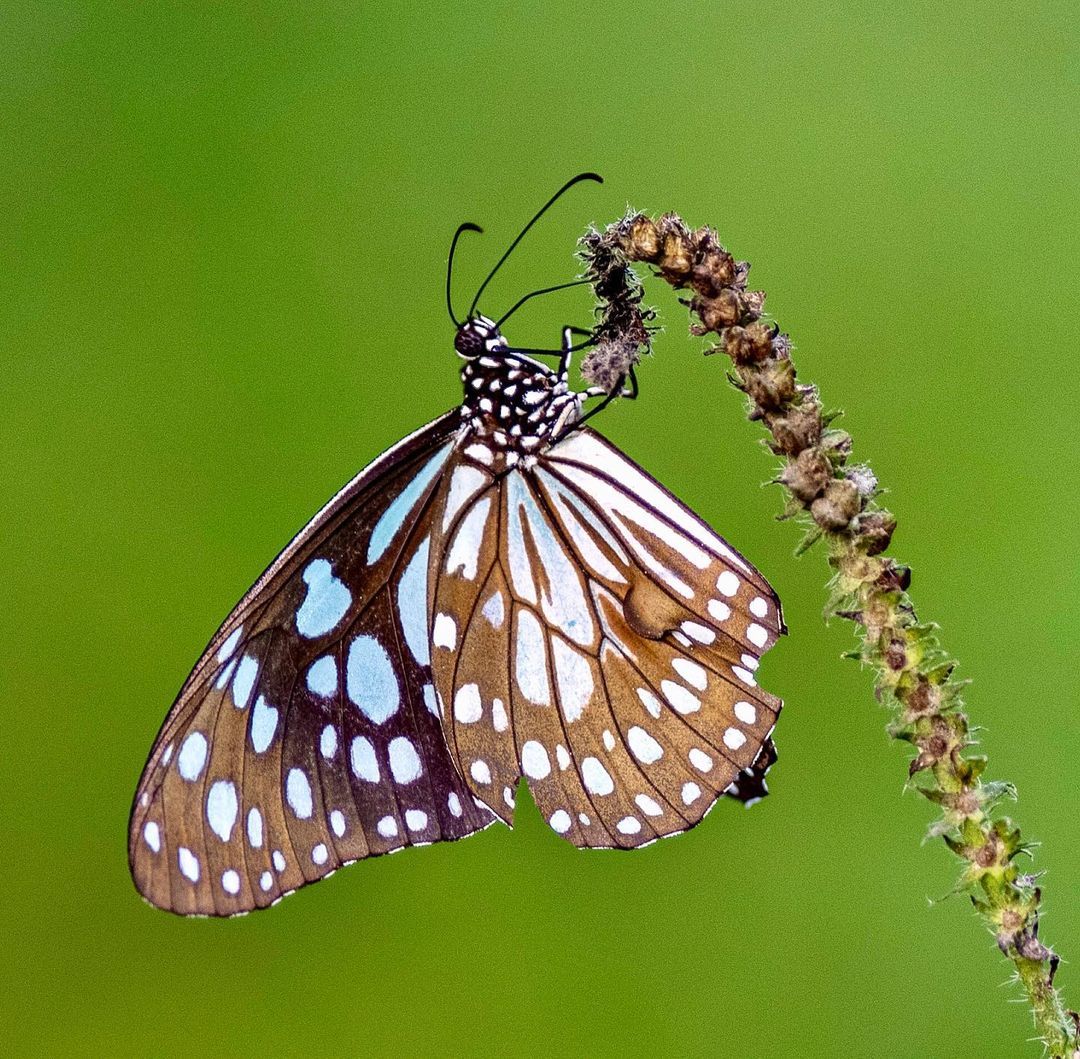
x=224 y=231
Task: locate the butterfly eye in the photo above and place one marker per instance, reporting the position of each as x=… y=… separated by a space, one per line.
x=469 y=342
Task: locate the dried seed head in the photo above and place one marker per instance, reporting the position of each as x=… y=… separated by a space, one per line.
x=643 y=239
x=772 y=386
x=839 y=505
x=807 y=475
x=796 y=429
x=607 y=363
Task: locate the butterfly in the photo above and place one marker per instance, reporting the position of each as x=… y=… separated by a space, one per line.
x=501 y=595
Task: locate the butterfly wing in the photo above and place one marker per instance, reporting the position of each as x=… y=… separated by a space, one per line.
x=307 y=736
x=624 y=634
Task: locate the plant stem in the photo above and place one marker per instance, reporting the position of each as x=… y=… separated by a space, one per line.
x=837 y=502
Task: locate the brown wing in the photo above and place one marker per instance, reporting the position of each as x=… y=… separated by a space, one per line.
x=614 y=630
x=307 y=736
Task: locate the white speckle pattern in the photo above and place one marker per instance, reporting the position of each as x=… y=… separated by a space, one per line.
x=328 y=742
x=758 y=607
x=560 y=821
x=387 y=827
x=453 y=802
x=534 y=760
x=192 y=756
x=691 y=672
x=266 y=880
x=480 y=772
x=370 y=680
x=562 y=755
x=264 y=718
x=701 y=633
x=650 y=702
x=189 y=864
x=221 y=808
x=628 y=825
x=230 y=881
x=467 y=706
x=499 y=720
x=152 y=836
x=679 y=697
x=415 y=819
x=227 y=648
x=319 y=854
x=733 y=739
x=573 y=674
x=244 y=681
x=337 y=822
x=326 y=603
x=646 y=749
x=757 y=634
x=597 y=779
x=255 y=828
x=405 y=763
x=279 y=860
x=298 y=793
x=727 y=583
x=322 y=677
x=690 y=793
x=719 y=609
x=700 y=760
x=365 y=764
x=609 y=740
x=412 y=604
x=444 y=632
x=649 y=806
x=746 y=713
x=494 y=610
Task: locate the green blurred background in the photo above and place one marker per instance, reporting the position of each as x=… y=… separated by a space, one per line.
x=225 y=230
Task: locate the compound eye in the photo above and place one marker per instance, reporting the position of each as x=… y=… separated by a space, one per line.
x=469 y=342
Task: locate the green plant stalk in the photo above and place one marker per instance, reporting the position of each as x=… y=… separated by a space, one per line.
x=837 y=502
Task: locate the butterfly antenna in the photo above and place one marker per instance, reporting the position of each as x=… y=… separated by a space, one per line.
x=536 y=294
x=540 y=213
x=466 y=227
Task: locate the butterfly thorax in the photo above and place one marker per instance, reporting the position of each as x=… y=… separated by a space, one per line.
x=512 y=401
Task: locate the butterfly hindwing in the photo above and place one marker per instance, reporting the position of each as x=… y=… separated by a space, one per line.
x=627 y=639
x=308 y=734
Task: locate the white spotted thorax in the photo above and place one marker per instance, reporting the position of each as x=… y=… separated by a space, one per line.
x=512 y=402
x=502 y=597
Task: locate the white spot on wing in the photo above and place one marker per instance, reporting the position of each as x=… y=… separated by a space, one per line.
x=192 y=756
x=221 y=808
x=453 y=802
x=415 y=819
x=493 y=610
x=393 y=517
x=644 y=747
x=650 y=702
x=679 y=697
x=404 y=761
x=691 y=672
x=758 y=607
x=649 y=806
x=412 y=604
x=560 y=821
x=534 y=760
x=230 y=881
x=480 y=772
x=597 y=779
x=464 y=553
x=326 y=602
x=370 y=680
x=700 y=760
x=628 y=825
x=746 y=713
x=298 y=793
x=499 y=720
x=466 y=482
x=255 y=828
x=189 y=864
x=690 y=793
x=757 y=634
x=387 y=827
x=322 y=677
x=444 y=632
x=530 y=659
x=152 y=835
x=467 y=706
x=264 y=718
x=328 y=742
x=727 y=583
x=244 y=681
x=365 y=764
x=574 y=677
x=337 y=822
x=733 y=738
x=227 y=648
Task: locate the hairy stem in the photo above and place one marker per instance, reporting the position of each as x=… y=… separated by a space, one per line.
x=837 y=502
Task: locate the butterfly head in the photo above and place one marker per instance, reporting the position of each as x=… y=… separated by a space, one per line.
x=476 y=336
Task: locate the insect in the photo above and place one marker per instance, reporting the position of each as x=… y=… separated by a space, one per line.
x=502 y=594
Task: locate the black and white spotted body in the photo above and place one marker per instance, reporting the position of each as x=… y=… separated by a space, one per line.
x=512 y=401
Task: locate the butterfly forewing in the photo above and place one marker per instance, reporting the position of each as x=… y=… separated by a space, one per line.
x=620 y=631
x=308 y=734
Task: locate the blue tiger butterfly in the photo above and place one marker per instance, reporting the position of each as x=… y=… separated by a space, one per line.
x=503 y=594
